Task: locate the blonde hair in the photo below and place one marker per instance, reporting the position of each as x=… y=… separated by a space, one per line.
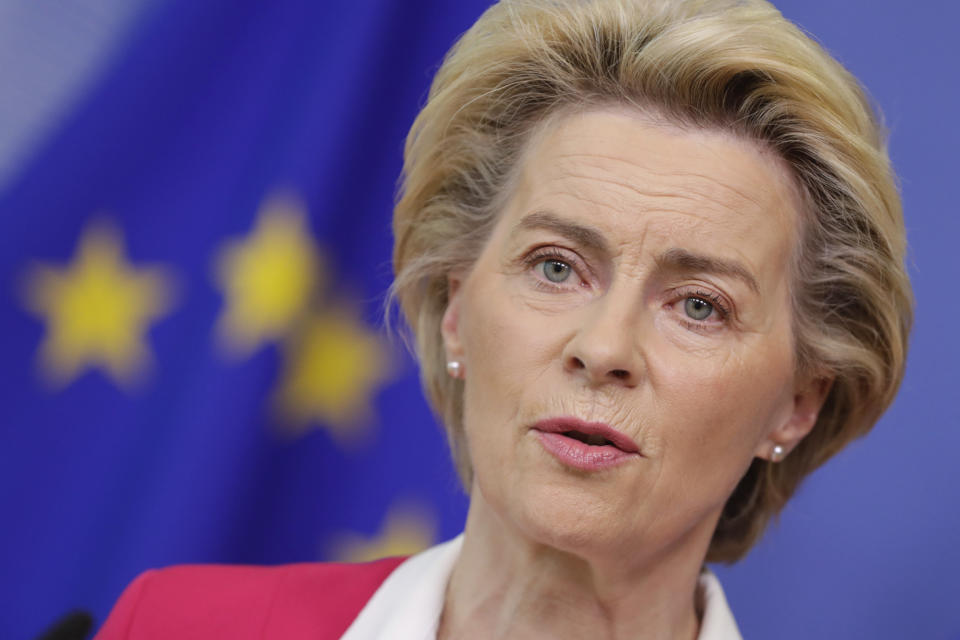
x=735 y=66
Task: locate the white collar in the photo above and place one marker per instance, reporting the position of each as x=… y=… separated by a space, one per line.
x=408 y=604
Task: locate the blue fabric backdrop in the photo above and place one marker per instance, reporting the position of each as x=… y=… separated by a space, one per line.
x=163 y=403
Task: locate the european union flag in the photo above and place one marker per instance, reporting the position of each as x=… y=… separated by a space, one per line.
x=193 y=264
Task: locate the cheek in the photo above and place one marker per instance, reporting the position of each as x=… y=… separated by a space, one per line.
x=729 y=400
x=508 y=350
x=711 y=414
x=507 y=344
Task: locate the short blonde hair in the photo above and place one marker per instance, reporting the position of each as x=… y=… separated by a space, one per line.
x=732 y=65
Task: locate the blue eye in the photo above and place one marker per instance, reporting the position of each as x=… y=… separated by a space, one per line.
x=555 y=270
x=697 y=308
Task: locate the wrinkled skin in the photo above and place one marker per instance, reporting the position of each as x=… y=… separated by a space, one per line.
x=639 y=276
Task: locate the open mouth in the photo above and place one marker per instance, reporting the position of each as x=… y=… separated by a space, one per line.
x=591 y=439
x=585 y=446
x=596 y=437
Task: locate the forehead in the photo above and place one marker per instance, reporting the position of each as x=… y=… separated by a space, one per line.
x=629 y=174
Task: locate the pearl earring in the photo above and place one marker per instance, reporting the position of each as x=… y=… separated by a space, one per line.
x=453 y=368
x=778 y=453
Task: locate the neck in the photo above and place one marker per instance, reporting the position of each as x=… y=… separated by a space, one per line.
x=507 y=586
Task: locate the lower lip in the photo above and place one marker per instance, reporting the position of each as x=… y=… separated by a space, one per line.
x=581 y=455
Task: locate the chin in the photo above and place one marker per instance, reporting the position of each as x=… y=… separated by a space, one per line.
x=567 y=515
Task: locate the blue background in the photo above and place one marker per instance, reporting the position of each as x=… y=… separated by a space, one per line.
x=196 y=114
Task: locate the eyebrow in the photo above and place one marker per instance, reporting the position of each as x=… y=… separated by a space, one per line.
x=675 y=259
x=584 y=236
x=682 y=260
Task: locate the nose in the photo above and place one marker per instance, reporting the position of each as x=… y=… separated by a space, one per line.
x=606 y=348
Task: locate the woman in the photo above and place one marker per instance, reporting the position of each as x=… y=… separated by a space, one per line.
x=652 y=256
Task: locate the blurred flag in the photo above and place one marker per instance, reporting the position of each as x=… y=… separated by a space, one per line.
x=193 y=257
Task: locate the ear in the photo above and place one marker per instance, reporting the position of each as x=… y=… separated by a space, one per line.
x=450 y=324
x=808 y=399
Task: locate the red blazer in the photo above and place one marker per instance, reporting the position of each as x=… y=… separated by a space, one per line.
x=204 y=602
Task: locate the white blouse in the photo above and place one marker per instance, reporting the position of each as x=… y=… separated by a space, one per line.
x=408 y=604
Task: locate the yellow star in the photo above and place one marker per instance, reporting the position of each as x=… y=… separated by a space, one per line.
x=97 y=310
x=332 y=365
x=268 y=278
x=409 y=529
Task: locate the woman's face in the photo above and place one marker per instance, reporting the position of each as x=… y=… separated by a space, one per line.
x=635 y=289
